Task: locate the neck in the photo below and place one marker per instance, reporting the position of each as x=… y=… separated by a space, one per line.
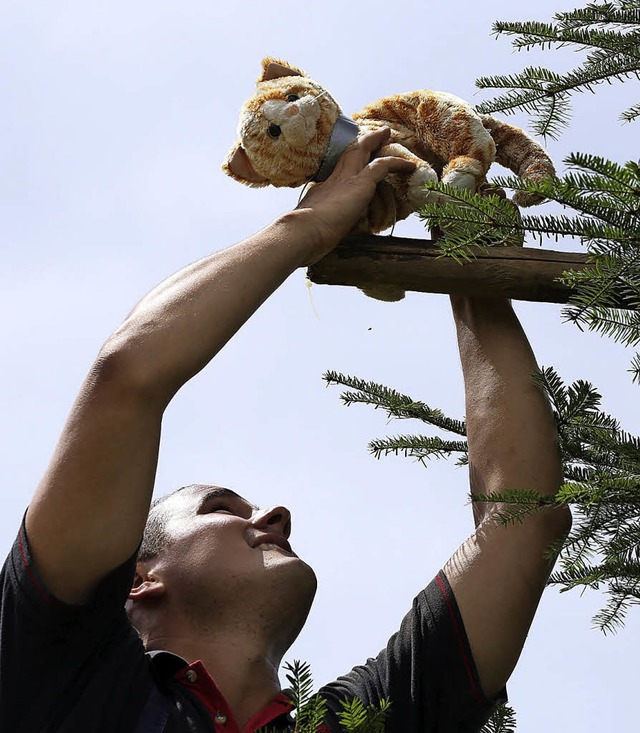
x=245 y=672
x=247 y=679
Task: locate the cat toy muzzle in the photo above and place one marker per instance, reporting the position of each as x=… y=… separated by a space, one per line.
x=344 y=132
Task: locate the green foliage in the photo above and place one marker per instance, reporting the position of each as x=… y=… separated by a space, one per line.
x=396 y=405
x=602 y=468
x=356 y=718
x=601 y=464
x=604 y=200
x=601 y=198
x=310 y=709
x=502 y=720
x=399 y=406
x=420 y=447
x=609 y=36
x=470 y=220
x=601 y=210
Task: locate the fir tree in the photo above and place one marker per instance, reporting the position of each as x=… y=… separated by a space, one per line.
x=355 y=717
x=601 y=464
x=601 y=198
x=601 y=202
x=502 y=720
x=310 y=709
x=608 y=33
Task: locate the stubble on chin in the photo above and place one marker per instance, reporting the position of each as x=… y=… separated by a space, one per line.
x=275 y=601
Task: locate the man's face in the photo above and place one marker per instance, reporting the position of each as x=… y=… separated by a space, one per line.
x=223 y=551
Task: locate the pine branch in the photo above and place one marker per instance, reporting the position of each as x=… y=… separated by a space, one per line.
x=635 y=368
x=394 y=403
x=620 y=325
x=605 y=197
x=547 y=35
x=613 y=615
x=540 y=92
x=299 y=676
x=420 y=447
x=502 y=720
x=356 y=718
x=515 y=505
x=610 y=13
x=626 y=175
x=310 y=709
x=523 y=497
x=608 y=34
x=602 y=470
x=629 y=115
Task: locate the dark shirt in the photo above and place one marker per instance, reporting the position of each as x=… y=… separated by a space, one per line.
x=83 y=669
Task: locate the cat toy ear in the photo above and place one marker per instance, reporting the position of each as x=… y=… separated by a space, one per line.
x=238 y=166
x=275 y=69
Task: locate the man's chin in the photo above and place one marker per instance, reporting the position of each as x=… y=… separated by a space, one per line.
x=278 y=557
x=294 y=570
x=296 y=583
x=295 y=601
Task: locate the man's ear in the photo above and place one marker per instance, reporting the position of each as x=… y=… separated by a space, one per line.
x=275 y=69
x=146 y=588
x=238 y=166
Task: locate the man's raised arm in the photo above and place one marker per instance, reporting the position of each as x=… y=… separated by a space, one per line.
x=499 y=574
x=89 y=511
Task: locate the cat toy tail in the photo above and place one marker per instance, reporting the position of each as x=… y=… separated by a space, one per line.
x=521 y=154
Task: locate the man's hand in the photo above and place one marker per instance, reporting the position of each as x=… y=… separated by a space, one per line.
x=331 y=209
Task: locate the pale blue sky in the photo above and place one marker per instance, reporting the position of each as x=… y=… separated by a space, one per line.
x=115 y=120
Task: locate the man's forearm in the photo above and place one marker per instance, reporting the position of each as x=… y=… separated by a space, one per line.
x=500 y=572
x=511 y=431
x=180 y=326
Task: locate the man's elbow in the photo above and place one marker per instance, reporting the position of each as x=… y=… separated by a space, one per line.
x=123 y=369
x=550 y=527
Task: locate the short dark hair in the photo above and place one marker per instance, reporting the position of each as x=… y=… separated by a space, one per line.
x=154 y=537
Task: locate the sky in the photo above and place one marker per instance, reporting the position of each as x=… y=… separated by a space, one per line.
x=115 y=119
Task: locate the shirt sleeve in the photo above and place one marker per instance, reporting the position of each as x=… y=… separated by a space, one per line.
x=426 y=672
x=55 y=657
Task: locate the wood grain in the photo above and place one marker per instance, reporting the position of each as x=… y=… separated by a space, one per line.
x=521 y=273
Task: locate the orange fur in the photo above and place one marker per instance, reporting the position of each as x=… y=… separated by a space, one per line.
x=285 y=128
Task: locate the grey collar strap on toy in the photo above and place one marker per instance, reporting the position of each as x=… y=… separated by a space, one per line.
x=345 y=131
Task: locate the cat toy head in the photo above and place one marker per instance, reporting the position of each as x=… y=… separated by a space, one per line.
x=287 y=130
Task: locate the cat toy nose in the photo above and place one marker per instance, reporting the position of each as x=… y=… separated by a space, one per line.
x=292 y=109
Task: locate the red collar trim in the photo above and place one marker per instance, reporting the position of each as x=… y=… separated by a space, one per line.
x=280 y=705
x=197 y=679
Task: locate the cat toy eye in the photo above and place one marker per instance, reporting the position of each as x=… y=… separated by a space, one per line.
x=292 y=98
x=274 y=131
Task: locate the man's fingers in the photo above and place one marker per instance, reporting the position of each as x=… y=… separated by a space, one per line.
x=359 y=153
x=380 y=167
x=357 y=157
x=371 y=141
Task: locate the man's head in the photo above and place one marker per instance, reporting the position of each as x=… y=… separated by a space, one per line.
x=210 y=561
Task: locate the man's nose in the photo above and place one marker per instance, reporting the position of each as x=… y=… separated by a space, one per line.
x=275 y=518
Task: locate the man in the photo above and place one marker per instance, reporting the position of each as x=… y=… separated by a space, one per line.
x=217 y=596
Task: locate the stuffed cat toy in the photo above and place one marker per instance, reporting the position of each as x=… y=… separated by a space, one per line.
x=292 y=131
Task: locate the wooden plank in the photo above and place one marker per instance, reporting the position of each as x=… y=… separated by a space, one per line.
x=521 y=273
